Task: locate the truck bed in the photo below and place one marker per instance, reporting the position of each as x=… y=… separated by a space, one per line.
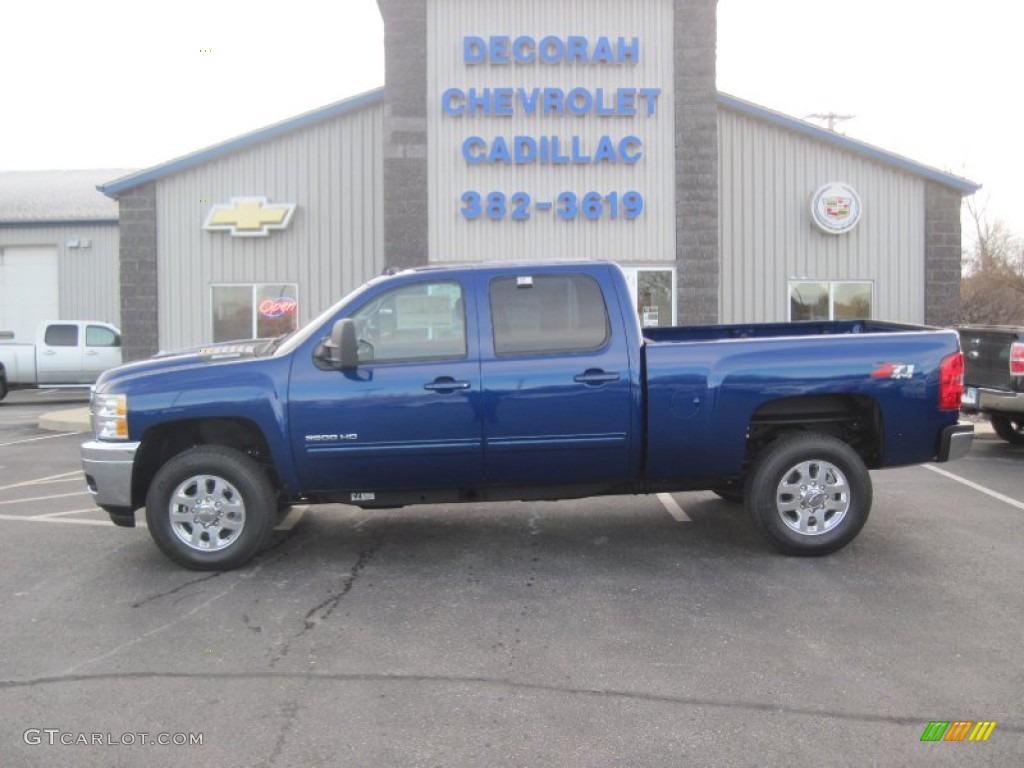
x=702 y=397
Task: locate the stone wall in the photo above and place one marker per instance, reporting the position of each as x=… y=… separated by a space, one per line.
x=405 y=132
x=942 y=254
x=139 y=325
x=697 y=258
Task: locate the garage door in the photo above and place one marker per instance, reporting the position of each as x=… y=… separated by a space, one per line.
x=28 y=289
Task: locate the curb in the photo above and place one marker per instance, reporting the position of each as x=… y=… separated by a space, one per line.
x=70 y=420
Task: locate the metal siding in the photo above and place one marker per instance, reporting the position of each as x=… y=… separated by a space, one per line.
x=649 y=238
x=332 y=170
x=89 y=284
x=767 y=177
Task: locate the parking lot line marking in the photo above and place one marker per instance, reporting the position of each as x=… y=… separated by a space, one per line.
x=673 y=508
x=292 y=518
x=48 y=515
x=55 y=520
x=45 y=498
x=34 y=439
x=975 y=486
x=62 y=478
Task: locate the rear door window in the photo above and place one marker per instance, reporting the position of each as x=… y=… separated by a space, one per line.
x=98 y=336
x=547 y=314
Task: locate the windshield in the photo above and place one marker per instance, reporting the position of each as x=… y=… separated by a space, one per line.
x=290 y=343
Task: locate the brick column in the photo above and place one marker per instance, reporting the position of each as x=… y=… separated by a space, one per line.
x=696 y=108
x=139 y=325
x=942 y=254
x=405 y=132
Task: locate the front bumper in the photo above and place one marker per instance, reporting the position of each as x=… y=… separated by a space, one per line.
x=108 y=473
x=956 y=442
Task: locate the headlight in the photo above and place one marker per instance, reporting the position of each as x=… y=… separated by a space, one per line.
x=109 y=416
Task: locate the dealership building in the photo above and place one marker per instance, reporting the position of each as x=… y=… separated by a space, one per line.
x=540 y=129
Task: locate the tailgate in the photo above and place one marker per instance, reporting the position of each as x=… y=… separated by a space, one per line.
x=987 y=357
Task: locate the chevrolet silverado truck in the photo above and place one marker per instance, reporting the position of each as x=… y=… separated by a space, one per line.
x=518 y=382
x=65 y=353
x=994 y=377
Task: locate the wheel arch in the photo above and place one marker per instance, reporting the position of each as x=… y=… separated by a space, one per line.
x=162 y=442
x=853 y=418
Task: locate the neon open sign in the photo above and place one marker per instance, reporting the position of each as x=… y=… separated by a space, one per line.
x=278 y=307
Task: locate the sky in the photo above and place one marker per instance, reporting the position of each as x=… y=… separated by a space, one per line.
x=129 y=84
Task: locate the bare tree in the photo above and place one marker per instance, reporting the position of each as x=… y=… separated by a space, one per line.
x=992 y=290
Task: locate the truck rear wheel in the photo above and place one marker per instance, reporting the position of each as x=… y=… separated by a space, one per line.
x=210 y=508
x=810 y=494
x=1010 y=428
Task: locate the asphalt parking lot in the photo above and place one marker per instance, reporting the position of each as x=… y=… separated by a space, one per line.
x=621 y=631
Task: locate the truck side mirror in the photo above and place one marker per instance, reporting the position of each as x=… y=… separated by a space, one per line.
x=341 y=350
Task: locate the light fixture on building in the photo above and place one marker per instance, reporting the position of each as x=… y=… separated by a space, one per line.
x=73 y=242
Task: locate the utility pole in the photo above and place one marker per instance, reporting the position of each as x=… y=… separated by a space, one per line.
x=830 y=118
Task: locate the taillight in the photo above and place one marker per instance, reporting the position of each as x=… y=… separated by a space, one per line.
x=951 y=382
x=1017 y=359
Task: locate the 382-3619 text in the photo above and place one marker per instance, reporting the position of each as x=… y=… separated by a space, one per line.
x=568 y=206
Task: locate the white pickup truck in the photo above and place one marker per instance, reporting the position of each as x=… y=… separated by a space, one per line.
x=65 y=353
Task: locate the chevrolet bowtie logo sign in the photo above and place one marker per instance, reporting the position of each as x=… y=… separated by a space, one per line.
x=249 y=217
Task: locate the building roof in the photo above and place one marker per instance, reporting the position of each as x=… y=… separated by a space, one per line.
x=337 y=109
x=960 y=184
x=364 y=100
x=55 y=197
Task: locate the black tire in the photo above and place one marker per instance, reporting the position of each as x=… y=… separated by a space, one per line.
x=732 y=495
x=814 y=518
x=3 y=387
x=226 y=511
x=1010 y=428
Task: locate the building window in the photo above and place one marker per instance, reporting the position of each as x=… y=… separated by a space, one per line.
x=250 y=311
x=830 y=300
x=653 y=292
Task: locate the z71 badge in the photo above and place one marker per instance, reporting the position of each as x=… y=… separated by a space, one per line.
x=893 y=371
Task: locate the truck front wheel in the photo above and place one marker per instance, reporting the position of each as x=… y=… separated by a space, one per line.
x=210 y=508
x=810 y=494
x=1010 y=428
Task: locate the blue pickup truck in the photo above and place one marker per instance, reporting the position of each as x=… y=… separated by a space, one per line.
x=529 y=382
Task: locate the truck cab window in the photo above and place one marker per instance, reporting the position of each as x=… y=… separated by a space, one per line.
x=424 y=321
x=547 y=314
x=61 y=336
x=98 y=336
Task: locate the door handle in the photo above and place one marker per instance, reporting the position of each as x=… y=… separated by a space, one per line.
x=595 y=377
x=49 y=352
x=92 y=353
x=446 y=384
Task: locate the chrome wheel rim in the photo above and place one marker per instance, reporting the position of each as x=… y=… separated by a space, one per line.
x=207 y=513
x=812 y=497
